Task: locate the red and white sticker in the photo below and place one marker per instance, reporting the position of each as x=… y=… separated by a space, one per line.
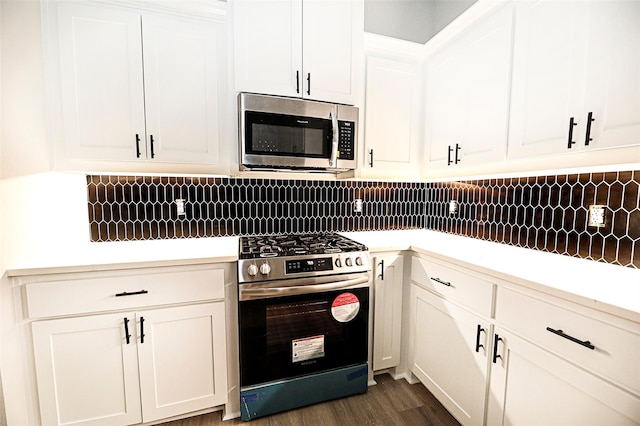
x=345 y=307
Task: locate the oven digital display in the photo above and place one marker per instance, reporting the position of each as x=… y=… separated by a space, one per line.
x=308 y=265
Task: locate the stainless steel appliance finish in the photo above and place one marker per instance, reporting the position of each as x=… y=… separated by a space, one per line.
x=288 y=133
x=303 y=320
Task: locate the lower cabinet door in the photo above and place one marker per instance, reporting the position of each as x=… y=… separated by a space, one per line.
x=530 y=386
x=87 y=371
x=449 y=354
x=387 y=321
x=182 y=356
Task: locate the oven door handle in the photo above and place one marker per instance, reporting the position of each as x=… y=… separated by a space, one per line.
x=264 y=292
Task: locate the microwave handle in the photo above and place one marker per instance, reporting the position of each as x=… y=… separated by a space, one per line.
x=333 y=160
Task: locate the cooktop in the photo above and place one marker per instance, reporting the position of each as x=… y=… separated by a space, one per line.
x=296 y=245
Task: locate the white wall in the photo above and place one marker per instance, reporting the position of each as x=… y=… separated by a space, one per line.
x=413 y=20
x=24 y=154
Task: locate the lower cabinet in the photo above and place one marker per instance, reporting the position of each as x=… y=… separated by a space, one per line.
x=130 y=367
x=449 y=354
x=530 y=386
x=387 y=328
x=530 y=359
x=139 y=346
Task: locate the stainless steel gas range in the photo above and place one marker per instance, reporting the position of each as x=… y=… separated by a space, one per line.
x=303 y=320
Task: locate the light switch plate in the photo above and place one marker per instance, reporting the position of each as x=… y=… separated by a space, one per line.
x=597 y=215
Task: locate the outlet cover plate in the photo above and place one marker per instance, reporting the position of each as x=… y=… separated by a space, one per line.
x=597 y=215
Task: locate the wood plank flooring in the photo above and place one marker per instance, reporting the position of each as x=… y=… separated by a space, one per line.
x=390 y=402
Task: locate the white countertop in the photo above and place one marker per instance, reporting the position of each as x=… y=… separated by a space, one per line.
x=614 y=289
x=595 y=283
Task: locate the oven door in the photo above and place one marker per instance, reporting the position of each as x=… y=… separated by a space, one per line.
x=288 y=336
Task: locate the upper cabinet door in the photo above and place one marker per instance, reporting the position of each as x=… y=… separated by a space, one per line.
x=100 y=49
x=467 y=95
x=392 y=117
x=330 y=36
x=549 y=40
x=613 y=75
x=268 y=46
x=574 y=61
x=182 y=68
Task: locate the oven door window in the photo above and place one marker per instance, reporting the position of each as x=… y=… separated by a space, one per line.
x=291 y=336
x=287 y=135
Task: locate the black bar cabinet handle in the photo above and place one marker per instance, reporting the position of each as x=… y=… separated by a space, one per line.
x=153 y=153
x=133 y=293
x=126 y=330
x=496 y=339
x=449 y=151
x=478 y=344
x=137 y=145
x=458 y=148
x=371 y=157
x=297 y=81
x=381 y=275
x=585 y=343
x=141 y=329
x=438 y=280
x=309 y=84
x=570 y=142
x=587 y=137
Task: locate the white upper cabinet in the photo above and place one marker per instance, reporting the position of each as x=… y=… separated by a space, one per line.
x=181 y=75
x=576 y=77
x=101 y=77
x=467 y=95
x=301 y=48
x=136 y=85
x=393 y=105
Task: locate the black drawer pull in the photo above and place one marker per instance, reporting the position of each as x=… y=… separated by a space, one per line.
x=438 y=280
x=478 y=344
x=381 y=274
x=572 y=123
x=133 y=293
x=126 y=330
x=137 y=146
x=588 y=138
x=585 y=343
x=496 y=339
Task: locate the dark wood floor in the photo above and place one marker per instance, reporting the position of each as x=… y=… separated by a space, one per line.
x=390 y=402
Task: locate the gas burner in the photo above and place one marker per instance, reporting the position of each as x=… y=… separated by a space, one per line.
x=296 y=245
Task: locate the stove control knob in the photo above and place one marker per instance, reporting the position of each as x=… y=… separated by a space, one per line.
x=265 y=269
x=252 y=270
x=348 y=261
x=338 y=263
x=359 y=261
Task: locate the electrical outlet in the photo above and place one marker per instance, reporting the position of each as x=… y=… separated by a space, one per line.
x=453 y=207
x=180 y=207
x=597 y=215
x=357 y=207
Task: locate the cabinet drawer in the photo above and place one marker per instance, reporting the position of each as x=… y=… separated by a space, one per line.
x=468 y=290
x=615 y=349
x=83 y=294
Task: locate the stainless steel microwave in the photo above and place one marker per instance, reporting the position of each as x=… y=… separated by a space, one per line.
x=287 y=133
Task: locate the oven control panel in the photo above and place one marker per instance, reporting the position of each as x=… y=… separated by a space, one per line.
x=308 y=265
x=266 y=269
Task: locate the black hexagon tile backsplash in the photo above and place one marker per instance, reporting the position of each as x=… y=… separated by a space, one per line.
x=547 y=213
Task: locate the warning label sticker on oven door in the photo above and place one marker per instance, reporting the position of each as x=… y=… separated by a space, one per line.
x=307 y=348
x=345 y=307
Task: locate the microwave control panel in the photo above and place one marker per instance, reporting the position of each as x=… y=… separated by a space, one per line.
x=346 y=139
